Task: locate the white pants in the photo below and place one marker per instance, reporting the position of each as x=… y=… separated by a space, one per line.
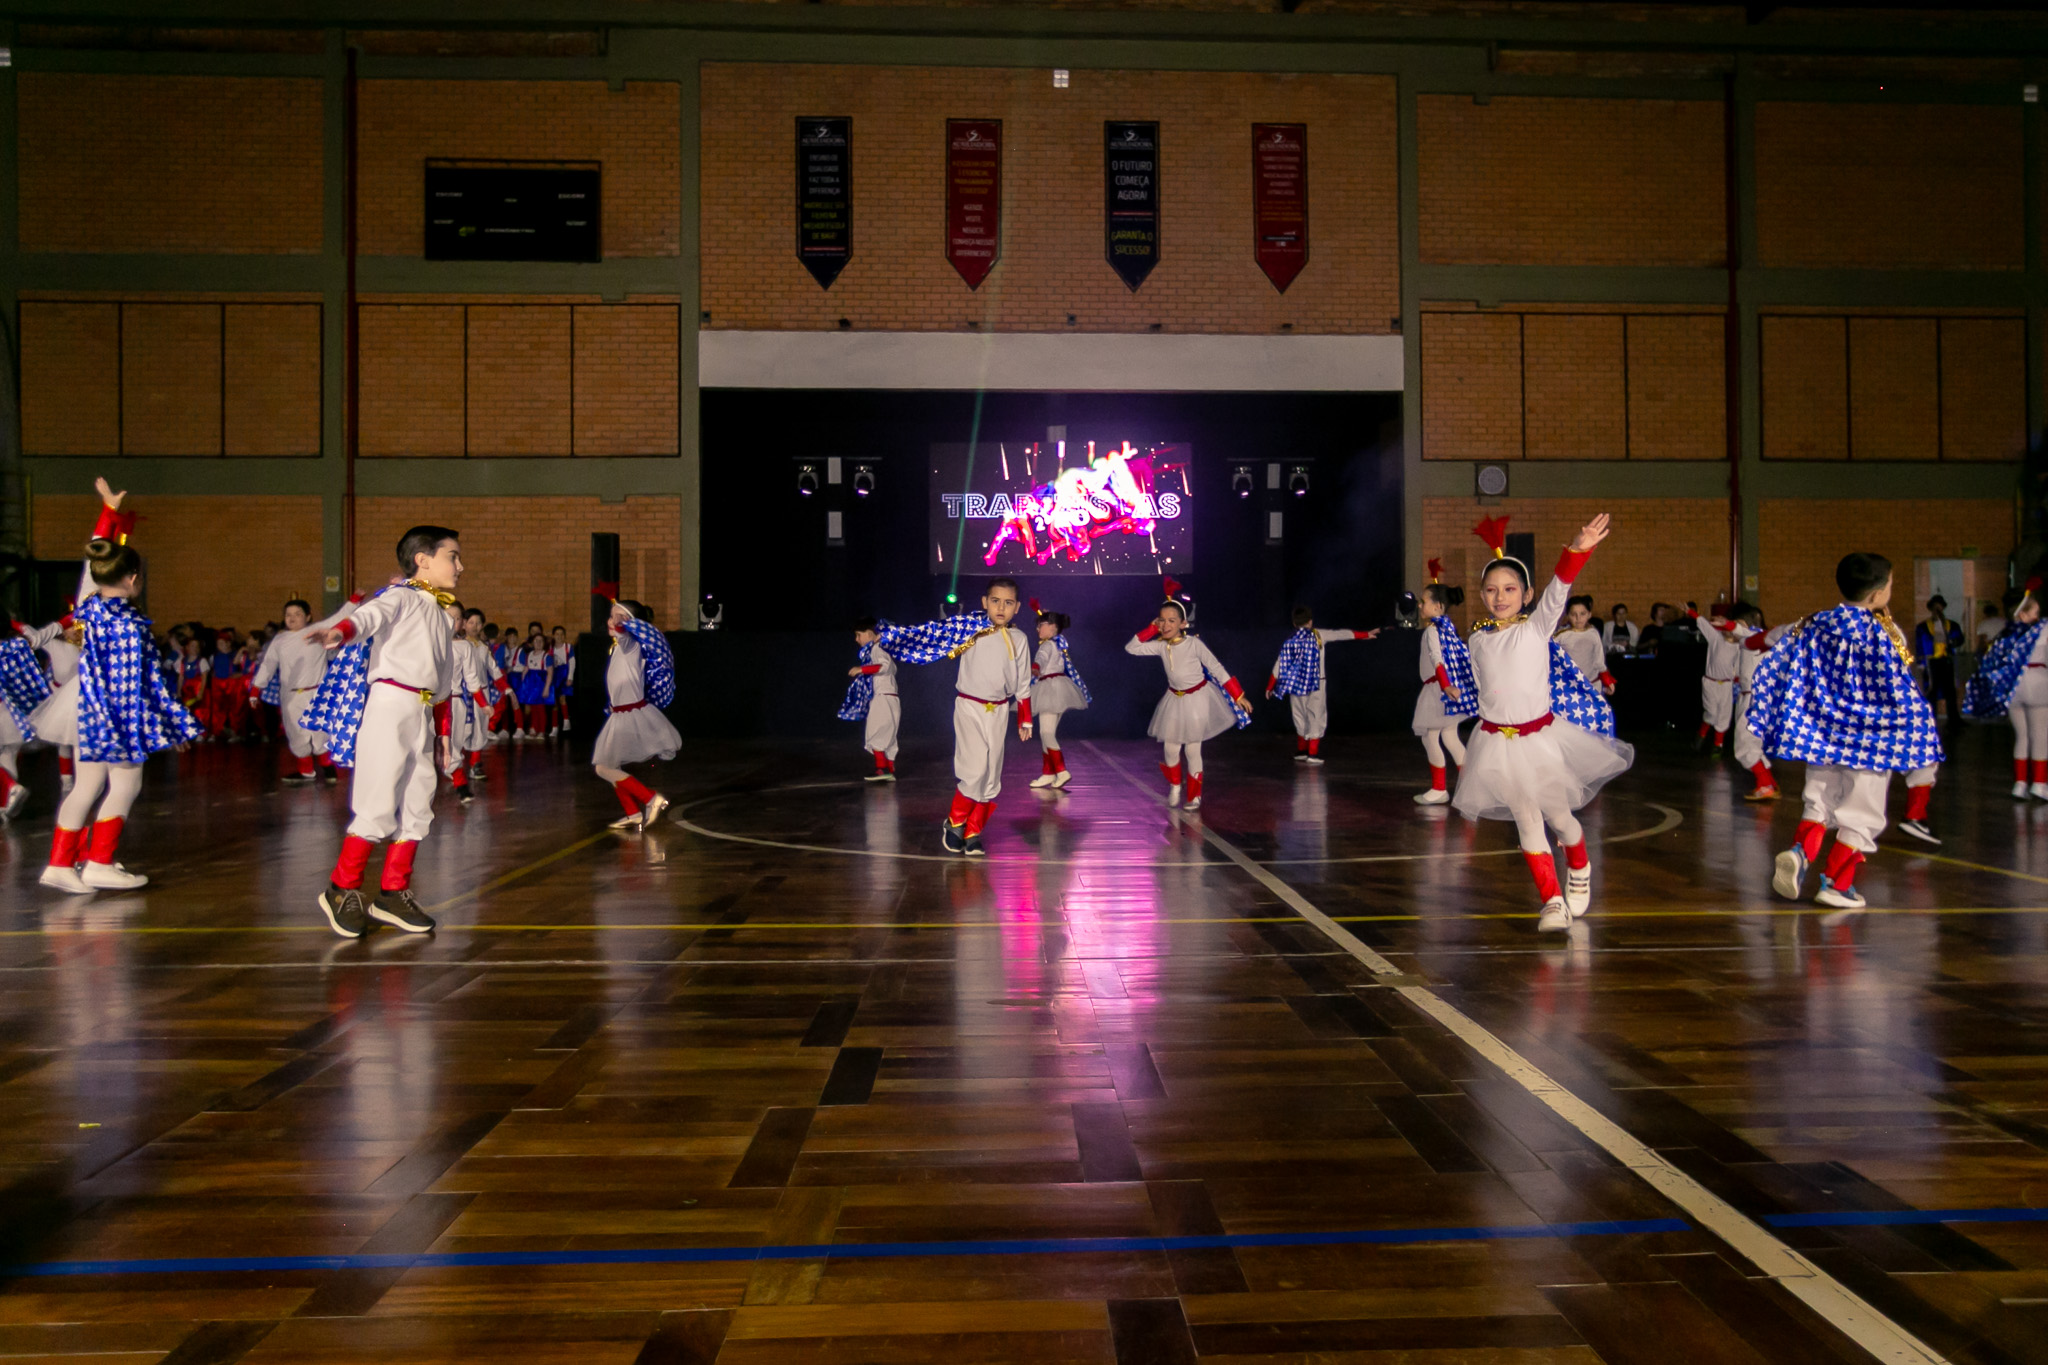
x=392 y=792
x=1193 y=754
x=979 y=732
x=1311 y=713
x=1436 y=742
x=1749 y=750
x=1849 y=801
x=122 y=783
x=8 y=756
x=304 y=743
x=2029 y=730
x=1717 y=702
x=885 y=717
x=1048 y=730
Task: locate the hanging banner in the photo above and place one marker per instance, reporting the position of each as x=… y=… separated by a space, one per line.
x=974 y=196
x=1130 y=168
x=1280 y=200
x=824 y=196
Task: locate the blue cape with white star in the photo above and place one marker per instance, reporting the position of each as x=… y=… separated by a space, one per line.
x=1073 y=674
x=934 y=640
x=1574 y=696
x=1458 y=664
x=1836 y=691
x=22 y=684
x=657 y=664
x=337 y=706
x=125 y=712
x=860 y=693
x=1299 y=670
x=1989 y=691
x=273 y=691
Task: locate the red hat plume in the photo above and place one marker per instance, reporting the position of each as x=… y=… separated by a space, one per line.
x=1036 y=610
x=2033 y=585
x=1494 y=531
x=1436 y=570
x=1172 y=587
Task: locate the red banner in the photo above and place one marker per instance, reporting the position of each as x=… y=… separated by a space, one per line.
x=974 y=197
x=1280 y=200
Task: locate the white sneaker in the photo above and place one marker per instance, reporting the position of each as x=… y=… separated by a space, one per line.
x=1042 y=780
x=112 y=877
x=1788 y=878
x=1555 y=919
x=553 y=733
x=1433 y=797
x=1061 y=778
x=2039 y=791
x=16 y=799
x=627 y=822
x=1829 y=895
x=59 y=878
x=1173 y=795
x=1193 y=803
x=1578 y=890
x=1313 y=760
x=654 y=809
x=2019 y=791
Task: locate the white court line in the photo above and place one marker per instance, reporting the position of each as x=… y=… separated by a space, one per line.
x=1811 y=1284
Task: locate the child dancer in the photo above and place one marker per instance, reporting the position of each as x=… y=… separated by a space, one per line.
x=640 y=680
x=1448 y=693
x=404 y=702
x=1301 y=675
x=1839 y=695
x=227 y=691
x=22 y=689
x=1523 y=765
x=1056 y=688
x=1749 y=750
x=195 y=672
x=995 y=671
x=294 y=662
x=563 y=677
x=532 y=683
x=1582 y=640
x=485 y=683
x=459 y=722
x=1202 y=698
x=2012 y=680
x=125 y=713
x=1717 y=685
x=872 y=697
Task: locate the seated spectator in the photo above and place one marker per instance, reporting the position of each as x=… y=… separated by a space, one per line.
x=1989 y=627
x=1618 y=633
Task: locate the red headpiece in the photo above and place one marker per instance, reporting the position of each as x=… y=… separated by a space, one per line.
x=1036 y=610
x=1494 y=531
x=1172 y=586
x=1436 y=571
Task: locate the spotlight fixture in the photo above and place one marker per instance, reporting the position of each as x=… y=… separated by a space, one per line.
x=1241 y=480
x=1297 y=481
x=806 y=479
x=710 y=613
x=863 y=480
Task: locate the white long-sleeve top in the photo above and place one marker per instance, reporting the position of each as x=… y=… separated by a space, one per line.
x=625 y=675
x=997 y=667
x=1511 y=664
x=1620 y=636
x=1724 y=648
x=1432 y=652
x=1185 y=660
x=413 y=646
x=1048 y=662
x=62 y=653
x=295 y=661
x=1586 y=650
x=882 y=669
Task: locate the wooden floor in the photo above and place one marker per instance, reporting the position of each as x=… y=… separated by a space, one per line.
x=782 y=1083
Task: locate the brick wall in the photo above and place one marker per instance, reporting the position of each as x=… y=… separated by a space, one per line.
x=1661 y=549
x=170 y=163
x=635 y=132
x=1887 y=186
x=1893 y=388
x=199 y=551
x=1052 y=262
x=1801 y=540
x=519 y=377
x=1573 y=384
x=1521 y=181
x=157 y=377
x=529 y=558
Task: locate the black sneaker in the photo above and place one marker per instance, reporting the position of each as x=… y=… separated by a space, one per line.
x=476 y=772
x=400 y=910
x=345 y=911
x=973 y=848
x=950 y=839
x=1919 y=830
x=464 y=794
x=296 y=780
x=330 y=774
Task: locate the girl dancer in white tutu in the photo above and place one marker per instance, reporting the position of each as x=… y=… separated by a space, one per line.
x=1446 y=700
x=1202 y=699
x=1056 y=688
x=640 y=679
x=1538 y=754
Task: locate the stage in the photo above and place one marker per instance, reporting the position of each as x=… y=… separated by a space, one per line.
x=779 y=1081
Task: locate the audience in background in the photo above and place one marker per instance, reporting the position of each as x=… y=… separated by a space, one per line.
x=1618 y=633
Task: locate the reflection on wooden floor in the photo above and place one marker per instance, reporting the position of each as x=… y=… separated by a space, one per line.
x=1098 y=1098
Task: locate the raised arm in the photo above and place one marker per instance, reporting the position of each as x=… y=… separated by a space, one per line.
x=1549 y=609
x=1146 y=641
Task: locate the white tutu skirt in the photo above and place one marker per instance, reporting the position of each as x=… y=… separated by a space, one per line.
x=1055 y=697
x=55 y=720
x=635 y=736
x=1559 y=768
x=1192 y=717
x=1430 y=713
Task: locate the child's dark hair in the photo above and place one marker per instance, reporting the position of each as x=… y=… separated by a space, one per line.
x=1860 y=574
x=1303 y=616
x=301 y=604
x=1582 y=600
x=863 y=625
x=532 y=626
x=1748 y=612
x=641 y=611
x=490 y=632
x=1060 y=620
x=1445 y=595
x=1519 y=569
x=421 y=540
x=477 y=612
x=111 y=562
x=994 y=583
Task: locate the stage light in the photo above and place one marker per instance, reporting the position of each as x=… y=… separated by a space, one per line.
x=806 y=479
x=863 y=480
x=710 y=613
x=1297 y=481
x=1241 y=481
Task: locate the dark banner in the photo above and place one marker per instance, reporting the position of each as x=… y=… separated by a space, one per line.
x=824 y=196
x=1280 y=200
x=1130 y=167
x=974 y=197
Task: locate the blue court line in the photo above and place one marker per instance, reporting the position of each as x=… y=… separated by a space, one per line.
x=842 y=1250
x=1865 y=1218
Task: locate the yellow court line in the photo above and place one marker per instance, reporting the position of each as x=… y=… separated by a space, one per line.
x=1958 y=862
